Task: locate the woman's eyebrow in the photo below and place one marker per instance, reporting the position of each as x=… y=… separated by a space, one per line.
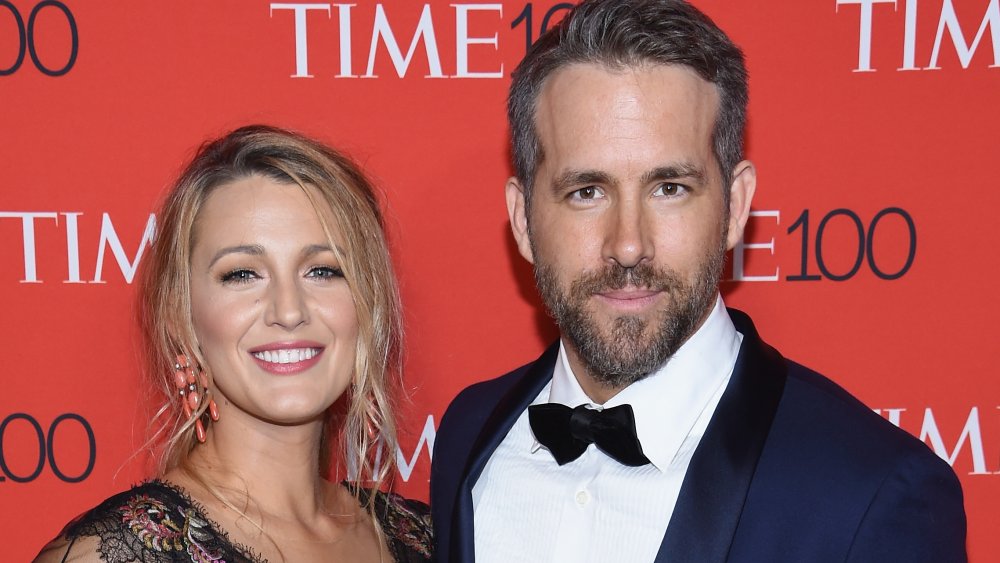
x=251 y=249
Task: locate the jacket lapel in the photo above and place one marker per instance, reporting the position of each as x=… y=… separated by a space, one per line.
x=715 y=487
x=505 y=413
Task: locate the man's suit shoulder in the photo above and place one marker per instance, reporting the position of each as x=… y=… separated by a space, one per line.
x=460 y=427
x=829 y=454
x=826 y=408
x=471 y=406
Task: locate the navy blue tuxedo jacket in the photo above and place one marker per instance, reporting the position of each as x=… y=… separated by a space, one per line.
x=791 y=468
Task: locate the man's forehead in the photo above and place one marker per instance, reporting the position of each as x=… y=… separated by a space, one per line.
x=580 y=95
x=587 y=111
x=580 y=74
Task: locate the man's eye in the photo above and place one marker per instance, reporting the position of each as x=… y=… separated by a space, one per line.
x=240 y=275
x=588 y=193
x=325 y=272
x=669 y=189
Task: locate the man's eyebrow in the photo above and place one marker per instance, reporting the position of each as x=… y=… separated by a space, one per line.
x=571 y=177
x=675 y=172
x=251 y=249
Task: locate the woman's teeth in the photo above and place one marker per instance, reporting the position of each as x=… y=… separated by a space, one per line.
x=290 y=356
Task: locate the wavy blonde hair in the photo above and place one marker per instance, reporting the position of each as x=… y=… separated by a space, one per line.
x=367 y=427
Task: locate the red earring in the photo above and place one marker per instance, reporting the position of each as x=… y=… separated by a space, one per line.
x=184 y=380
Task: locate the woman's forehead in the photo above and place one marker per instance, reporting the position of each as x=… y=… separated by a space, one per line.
x=257 y=210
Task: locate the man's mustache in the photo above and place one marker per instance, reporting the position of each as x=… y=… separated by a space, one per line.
x=614 y=276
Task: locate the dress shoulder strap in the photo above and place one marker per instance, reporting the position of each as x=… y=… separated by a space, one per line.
x=405 y=522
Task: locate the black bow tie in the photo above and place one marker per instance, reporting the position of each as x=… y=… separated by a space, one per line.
x=567 y=432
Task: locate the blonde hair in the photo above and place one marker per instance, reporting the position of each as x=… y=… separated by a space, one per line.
x=367 y=428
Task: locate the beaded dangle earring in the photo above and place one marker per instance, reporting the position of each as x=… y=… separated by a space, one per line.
x=184 y=380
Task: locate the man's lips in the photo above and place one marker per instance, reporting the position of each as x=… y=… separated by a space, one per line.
x=628 y=294
x=285 y=358
x=627 y=298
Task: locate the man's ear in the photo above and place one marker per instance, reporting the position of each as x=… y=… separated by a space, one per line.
x=740 y=196
x=518 y=217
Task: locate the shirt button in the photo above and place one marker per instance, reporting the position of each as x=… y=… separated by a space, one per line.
x=582 y=497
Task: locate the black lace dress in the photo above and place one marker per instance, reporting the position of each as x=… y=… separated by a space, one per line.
x=156 y=522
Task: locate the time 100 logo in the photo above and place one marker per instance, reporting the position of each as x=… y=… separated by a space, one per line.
x=28 y=40
x=48 y=446
x=836 y=245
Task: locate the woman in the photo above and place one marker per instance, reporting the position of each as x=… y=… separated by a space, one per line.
x=273 y=328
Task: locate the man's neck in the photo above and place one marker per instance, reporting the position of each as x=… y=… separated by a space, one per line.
x=597 y=387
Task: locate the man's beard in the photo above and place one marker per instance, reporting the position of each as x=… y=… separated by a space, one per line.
x=632 y=349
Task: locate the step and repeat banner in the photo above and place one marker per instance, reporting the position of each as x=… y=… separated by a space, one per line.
x=869 y=254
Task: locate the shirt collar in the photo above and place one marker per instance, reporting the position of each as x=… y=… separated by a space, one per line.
x=668 y=402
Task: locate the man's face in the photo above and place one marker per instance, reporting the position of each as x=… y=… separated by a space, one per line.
x=628 y=227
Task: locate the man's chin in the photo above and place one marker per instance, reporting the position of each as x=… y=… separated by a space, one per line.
x=611 y=324
x=622 y=341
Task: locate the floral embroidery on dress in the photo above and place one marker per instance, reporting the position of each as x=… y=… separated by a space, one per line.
x=156 y=522
x=149 y=519
x=406 y=523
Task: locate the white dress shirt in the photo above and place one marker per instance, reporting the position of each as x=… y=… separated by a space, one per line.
x=528 y=508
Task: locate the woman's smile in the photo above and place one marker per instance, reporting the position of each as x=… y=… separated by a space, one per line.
x=287 y=358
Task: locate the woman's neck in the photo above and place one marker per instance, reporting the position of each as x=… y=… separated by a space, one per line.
x=275 y=466
x=261 y=482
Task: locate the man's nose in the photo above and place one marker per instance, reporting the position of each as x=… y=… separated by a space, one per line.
x=628 y=239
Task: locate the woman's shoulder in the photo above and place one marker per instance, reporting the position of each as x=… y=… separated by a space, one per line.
x=153 y=521
x=65 y=550
x=406 y=523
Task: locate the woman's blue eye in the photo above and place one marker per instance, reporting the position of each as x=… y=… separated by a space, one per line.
x=326 y=272
x=238 y=276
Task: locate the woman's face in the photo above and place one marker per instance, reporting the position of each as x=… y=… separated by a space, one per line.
x=271 y=310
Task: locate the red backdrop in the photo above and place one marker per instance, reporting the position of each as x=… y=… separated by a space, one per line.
x=872 y=125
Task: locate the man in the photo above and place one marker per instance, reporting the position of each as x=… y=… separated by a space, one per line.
x=661 y=427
